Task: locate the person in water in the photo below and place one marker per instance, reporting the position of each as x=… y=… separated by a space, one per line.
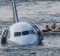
x=53 y=26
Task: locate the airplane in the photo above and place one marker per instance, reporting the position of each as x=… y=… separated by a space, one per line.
x=21 y=33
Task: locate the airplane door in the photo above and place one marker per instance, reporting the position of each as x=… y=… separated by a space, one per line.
x=4 y=37
x=39 y=33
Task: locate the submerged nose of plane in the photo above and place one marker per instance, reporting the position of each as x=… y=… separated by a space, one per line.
x=21 y=33
x=24 y=40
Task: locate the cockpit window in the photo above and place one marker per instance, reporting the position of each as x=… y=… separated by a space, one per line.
x=17 y=34
x=31 y=32
x=25 y=32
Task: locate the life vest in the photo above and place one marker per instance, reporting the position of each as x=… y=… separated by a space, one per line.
x=48 y=28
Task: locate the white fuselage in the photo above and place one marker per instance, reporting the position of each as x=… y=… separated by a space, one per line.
x=22 y=33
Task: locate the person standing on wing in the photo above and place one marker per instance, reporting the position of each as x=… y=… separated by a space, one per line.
x=53 y=26
x=47 y=28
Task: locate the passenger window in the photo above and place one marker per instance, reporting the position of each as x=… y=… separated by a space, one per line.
x=25 y=33
x=17 y=34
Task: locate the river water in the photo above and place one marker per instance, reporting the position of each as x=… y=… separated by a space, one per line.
x=48 y=12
